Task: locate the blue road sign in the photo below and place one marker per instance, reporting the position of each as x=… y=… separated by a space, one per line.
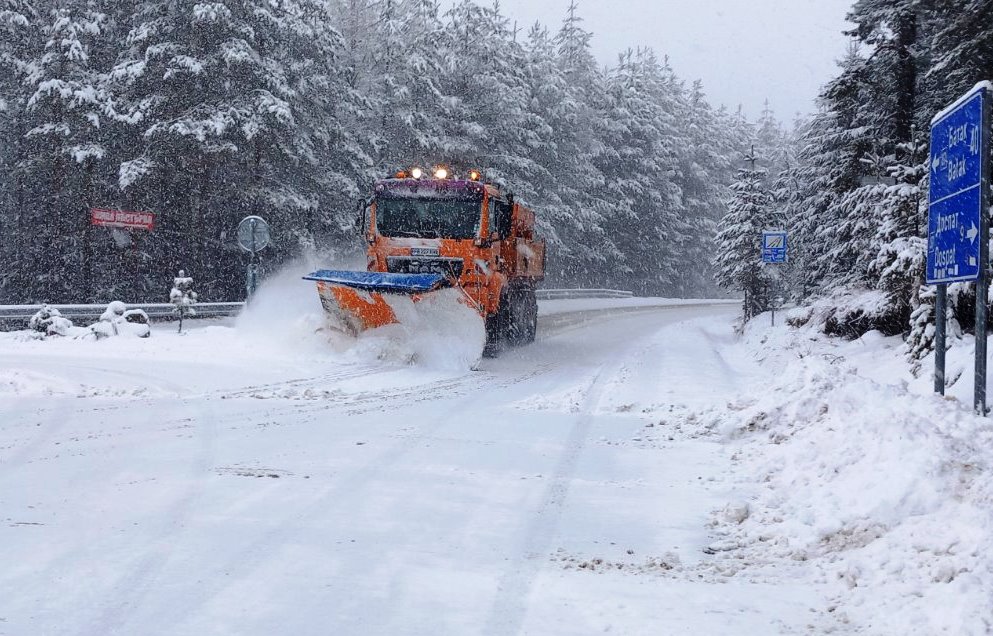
x=773 y=247
x=955 y=198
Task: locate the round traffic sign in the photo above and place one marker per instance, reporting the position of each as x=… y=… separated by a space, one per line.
x=253 y=234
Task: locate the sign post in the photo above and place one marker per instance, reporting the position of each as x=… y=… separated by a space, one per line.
x=253 y=237
x=774 y=247
x=958 y=228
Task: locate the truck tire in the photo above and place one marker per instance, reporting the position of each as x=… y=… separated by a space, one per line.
x=498 y=327
x=515 y=323
x=524 y=312
x=530 y=316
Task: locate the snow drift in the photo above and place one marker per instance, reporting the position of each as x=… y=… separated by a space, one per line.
x=862 y=474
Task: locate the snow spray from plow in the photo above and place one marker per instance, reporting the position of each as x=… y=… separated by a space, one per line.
x=437 y=333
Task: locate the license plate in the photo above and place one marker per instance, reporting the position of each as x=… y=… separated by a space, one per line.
x=424 y=251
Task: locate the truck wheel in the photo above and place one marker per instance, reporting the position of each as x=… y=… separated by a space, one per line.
x=499 y=327
x=530 y=316
x=494 y=342
x=519 y=329
x=524 y=309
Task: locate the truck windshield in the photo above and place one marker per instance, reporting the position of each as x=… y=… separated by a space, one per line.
x=428 y=218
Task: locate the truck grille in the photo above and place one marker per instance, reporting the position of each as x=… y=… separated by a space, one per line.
x=415 y=265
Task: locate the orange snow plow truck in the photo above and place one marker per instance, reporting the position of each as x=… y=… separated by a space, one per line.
x=444 y=231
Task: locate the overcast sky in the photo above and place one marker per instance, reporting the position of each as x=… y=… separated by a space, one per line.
x=744 y=50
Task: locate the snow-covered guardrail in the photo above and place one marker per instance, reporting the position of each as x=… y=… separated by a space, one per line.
x=561 y=294
x=17 y=316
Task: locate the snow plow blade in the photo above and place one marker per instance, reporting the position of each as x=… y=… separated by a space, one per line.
x=354 y=300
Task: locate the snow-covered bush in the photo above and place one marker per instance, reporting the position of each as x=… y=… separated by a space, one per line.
x=183 y=297
x=849 y=313
x=118 y=320
x=50 y=322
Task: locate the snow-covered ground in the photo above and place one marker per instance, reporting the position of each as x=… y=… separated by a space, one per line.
x=639 y=469
x=871 y=485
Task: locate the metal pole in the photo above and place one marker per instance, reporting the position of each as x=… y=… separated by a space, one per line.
x=251 y=263
x=981 y=286
x=940 y=303
x=982 y=283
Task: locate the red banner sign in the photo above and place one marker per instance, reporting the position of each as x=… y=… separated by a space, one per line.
x=122 y=218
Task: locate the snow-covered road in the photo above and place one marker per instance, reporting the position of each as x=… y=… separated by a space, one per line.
x=220 y=484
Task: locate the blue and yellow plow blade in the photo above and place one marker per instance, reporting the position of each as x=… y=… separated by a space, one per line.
x=354 y=300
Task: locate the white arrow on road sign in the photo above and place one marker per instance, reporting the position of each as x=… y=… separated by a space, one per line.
x=972 y=233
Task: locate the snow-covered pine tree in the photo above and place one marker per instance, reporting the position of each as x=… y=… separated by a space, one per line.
x=738 y=261
x=548 y=107
x=827 y=166
x=486 y=83
x=234 y=106
x=704 y=176
x=578 y=138
x=62 y=150
x=960 y=51
x=182 y=297
x=327 y=160
x=639 y=164
x=356 y=21
x=20 y=32
x=410 y=103
x=899 y=246
x=770 y=143
x=704 y=173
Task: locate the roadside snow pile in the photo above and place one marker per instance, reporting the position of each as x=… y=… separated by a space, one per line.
x=883 y=489
x=116 y=320
x=48 y=321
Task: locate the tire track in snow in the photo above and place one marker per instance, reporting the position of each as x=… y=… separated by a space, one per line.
x=253 y=391
x=133 y=587
x=369 y=475
x=252 y=557
x=506 y=616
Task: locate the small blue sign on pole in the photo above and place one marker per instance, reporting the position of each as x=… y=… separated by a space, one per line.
x=955 y=197
x=774 y=246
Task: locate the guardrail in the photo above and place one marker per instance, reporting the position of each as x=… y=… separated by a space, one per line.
x=17 y=316
x=562 y=294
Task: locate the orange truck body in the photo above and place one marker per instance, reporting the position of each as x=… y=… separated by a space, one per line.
x=496 y=262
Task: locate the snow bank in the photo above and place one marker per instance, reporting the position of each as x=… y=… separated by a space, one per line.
x=882 y=487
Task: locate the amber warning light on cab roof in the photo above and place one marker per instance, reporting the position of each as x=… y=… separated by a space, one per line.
x=439 y=172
